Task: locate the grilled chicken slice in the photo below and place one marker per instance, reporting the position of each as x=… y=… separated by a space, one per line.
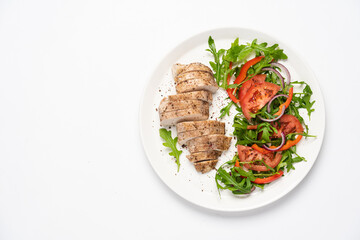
x=197 y=95
x=186 y=136
x=209 y=142
x=202 y=156
x=194 y=75
x=190 y=114
x=197 y=85
x=182 y=68
x=168 y=106
x=198 y=125
x=205 y=166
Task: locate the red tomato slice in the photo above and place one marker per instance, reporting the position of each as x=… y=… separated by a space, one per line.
x=257 y=96
x=252 y=82
x=247 y=154
x=288 y=124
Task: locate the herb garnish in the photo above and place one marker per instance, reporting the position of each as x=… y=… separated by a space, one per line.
x=171 y=143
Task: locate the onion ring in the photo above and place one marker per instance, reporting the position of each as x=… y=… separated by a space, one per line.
x=277 y=148
x=274 y=119
x=283 y=68
x=277 y=73
x=276 y=96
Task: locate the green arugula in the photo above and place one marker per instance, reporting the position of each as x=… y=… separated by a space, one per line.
x=226 y=110
x=171 y=143
x=272 y=51
x=249 y=137
x=237 y=53
x=234 y=180
x=288 y=160
x=302 y=100
x=220 y=68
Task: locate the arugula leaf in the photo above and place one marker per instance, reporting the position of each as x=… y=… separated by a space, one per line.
x=273 y=51
x=226 y=110
x=302 y=100
x=242 y=187
x=288 y=160
x=267 y=131
x=236 y=171
x=171 y=143
x=237 y=53
x=220 y=68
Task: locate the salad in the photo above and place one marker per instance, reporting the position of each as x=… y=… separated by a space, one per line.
x=267 y=124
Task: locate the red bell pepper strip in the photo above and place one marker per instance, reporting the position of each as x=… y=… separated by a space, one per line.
x=260 y=149
x=268 y=179
x=251 y=127
x=231 y=90
x=245 y=68
x=286 y=146
x=286 y=103
x=290 y=143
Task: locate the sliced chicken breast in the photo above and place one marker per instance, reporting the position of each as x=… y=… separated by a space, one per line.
x=201 y=156
x=194 y=75
x=197 y=85
x=190 y=114
x=198 y=125
x=168 y=106
x=197 y=95
x=208 y=143
x=181 y=68
x=205 y=166
x=186 y=136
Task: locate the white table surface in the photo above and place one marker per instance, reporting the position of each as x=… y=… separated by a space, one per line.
x=71 y=160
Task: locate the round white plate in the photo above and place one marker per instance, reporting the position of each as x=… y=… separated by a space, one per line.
x=200 y=189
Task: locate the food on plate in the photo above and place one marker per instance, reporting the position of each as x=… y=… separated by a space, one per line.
x=205 y=166
x=178 y=68
x=257 y=161
x=209 y=142
x=197 y=84
x=194 y=75
x=168 y=106
x=203 y=156
x=205 y=139
x=254 y=81
x=267 y=124
x=190 y=114
x=198 y=95
x=198 y=125
x=189 y=135
x=256 y=97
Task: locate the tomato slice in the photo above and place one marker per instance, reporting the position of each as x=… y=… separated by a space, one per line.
x=288 y=124
x=247 y=154
x=256 y=97
x=252 y=82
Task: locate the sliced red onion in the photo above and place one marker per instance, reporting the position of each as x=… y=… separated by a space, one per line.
x=277 y=148
x=274 y=119
x=284 y=69
x=277 y=73
x=271 y=100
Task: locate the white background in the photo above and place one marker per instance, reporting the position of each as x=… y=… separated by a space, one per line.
x=71 y=79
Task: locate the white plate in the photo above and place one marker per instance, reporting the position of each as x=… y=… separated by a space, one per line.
x=200 y=189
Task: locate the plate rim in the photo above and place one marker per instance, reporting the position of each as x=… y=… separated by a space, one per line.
x=236 y=30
